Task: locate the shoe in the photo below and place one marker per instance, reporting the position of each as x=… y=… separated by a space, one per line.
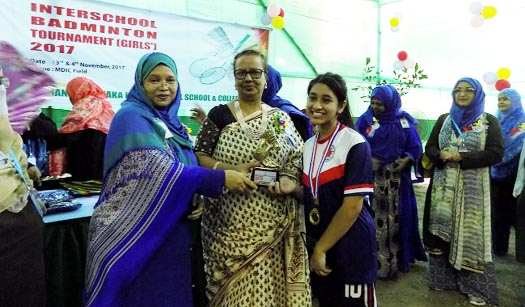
x=436 y=289
x=476 y=301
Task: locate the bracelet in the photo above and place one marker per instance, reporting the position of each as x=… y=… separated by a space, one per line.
x=216 y=164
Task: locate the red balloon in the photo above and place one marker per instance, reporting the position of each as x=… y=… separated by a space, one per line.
x=281 y=13
x=502 y=84
x=402 y=55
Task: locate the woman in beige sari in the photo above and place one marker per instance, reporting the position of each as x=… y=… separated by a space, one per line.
x=253 y=250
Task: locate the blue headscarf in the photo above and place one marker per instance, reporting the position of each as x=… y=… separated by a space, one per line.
x=269 y=96
x=136 y=124
x=391 y=140
x=512 y=140
x=465 y=116
x=389 y=96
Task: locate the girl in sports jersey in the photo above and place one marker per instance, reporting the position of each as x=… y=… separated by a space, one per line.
x=338 y=179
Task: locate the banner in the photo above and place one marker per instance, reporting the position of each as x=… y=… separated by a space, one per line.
x=104 y=42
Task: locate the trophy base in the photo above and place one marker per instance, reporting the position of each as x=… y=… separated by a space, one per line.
x=264 y=176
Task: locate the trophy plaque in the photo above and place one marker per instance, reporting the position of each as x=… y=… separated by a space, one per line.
x=268 y=173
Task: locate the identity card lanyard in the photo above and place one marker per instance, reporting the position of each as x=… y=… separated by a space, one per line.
x=19 y=170
x=314 y=215
x=461 y=135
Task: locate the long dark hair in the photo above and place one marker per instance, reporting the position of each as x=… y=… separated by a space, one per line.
x=338 y=85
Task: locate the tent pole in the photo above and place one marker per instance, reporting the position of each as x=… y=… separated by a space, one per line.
x=378 y=60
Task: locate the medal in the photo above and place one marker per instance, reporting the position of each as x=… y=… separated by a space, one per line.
x=314 y=216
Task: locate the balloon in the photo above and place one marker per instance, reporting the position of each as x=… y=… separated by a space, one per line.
x=398 y=65
x=394 y=22
x=409 y=63
x=490 y=78
x=476 y=7
x=476 y=21
x=502 y=84
x=503 y=73
x=489 y=12
x=278 y=22
x=266 y=19
x=281 y=13
x=273 y=9
x=402 y=55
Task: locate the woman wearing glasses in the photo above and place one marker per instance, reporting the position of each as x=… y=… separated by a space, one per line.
x=456 y=225
x=252 y=244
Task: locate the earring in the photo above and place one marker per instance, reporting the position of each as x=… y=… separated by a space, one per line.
x=265 y=85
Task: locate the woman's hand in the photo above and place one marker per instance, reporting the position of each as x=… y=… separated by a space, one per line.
x=450 y=155
x=238 y=181
x=198 y=208
x=285 y=186
x=318 y=264
x=34 y=174
x=246 y=168
x=402 y=164
x=198 y=114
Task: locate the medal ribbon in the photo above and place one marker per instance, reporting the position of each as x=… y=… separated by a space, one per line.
x=314 y=183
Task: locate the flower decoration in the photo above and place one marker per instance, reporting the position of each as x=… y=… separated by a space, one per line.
x=480 y=125
x=188 y=130
x=279 y=123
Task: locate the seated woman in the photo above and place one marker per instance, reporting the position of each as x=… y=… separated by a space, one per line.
x=84 y=130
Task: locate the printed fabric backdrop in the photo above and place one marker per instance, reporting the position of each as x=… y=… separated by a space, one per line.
x=104 y=42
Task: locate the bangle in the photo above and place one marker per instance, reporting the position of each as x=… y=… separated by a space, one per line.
x=216 y=164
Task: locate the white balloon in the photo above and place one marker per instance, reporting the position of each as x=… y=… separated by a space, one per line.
x=476 y=21
x=266 y=19
x=476 y=7
x=398 y=15
x=398 y=65
x=273 y=9
x=490 y=78
x=409 y=63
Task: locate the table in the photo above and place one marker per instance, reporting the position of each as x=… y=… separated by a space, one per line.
x=65 y=248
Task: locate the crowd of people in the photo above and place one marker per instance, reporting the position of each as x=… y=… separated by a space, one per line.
x=271 y=205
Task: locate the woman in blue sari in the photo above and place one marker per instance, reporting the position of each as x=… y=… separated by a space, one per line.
x=396 y=146
x=139 y=237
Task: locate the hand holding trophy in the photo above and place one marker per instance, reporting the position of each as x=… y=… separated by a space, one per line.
x=268 y=173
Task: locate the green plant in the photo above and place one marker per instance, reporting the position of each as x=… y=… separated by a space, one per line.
x=403 y=79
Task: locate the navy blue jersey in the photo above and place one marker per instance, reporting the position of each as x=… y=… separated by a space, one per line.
x=345 y=172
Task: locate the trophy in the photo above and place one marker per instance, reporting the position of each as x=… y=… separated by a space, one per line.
x=268 y=173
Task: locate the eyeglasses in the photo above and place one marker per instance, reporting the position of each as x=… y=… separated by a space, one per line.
x=254 y=73
x=468 y=91
x=5 y=81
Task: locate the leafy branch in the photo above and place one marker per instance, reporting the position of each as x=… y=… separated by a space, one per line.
x=403 y=79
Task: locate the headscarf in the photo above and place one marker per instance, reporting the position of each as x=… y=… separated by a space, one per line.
x=465 y=116
x=391 y=140
x=13 y=193
x=91 y=108
x=391 y=100
x=513 y=135
x=148 y=132
x=270 y=97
